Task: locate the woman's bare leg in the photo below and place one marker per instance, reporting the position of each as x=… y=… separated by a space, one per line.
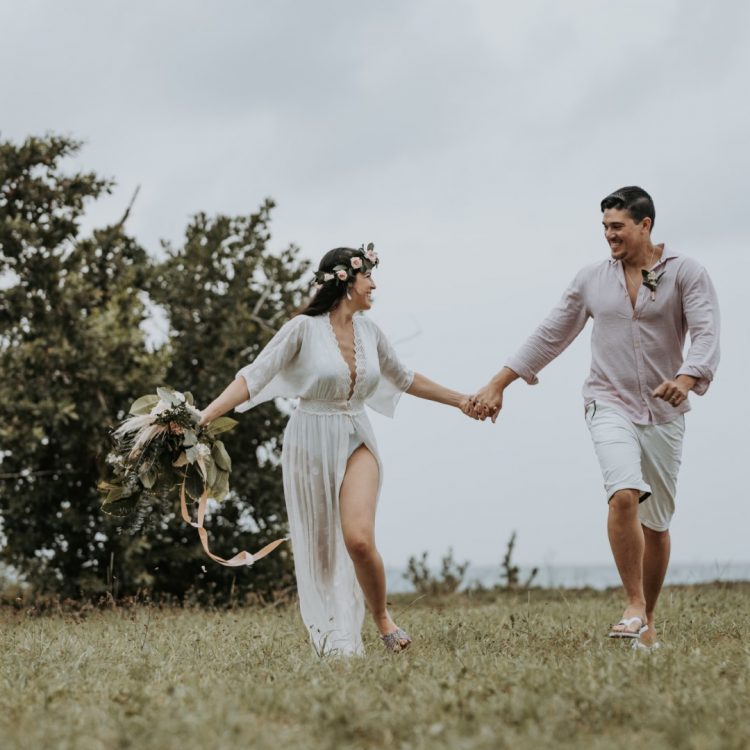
x=357 y=502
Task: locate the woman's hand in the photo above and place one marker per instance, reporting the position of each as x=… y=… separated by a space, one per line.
x=488 y=402
x=468 y=406
x=423 y=387
x=235 y=393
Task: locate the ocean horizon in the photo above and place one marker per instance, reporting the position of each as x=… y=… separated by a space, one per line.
x=581 y=576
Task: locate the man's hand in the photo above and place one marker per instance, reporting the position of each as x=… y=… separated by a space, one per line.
x=486 y=403
x=467 y=407
x=675 y=391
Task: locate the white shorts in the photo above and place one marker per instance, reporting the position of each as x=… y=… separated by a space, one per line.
x=638 y=457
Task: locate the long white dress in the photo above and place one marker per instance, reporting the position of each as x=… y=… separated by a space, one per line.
x=304 y=360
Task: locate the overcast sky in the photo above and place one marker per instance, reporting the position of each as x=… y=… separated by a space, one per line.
x=472 y=142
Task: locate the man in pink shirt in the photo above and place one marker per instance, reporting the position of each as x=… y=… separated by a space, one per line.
x=643 y=300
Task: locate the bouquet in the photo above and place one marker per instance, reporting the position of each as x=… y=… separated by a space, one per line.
x=159 y=450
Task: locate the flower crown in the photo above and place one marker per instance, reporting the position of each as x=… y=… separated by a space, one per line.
x=363 y=259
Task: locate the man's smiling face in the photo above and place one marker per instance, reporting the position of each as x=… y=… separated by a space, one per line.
x=624 y=237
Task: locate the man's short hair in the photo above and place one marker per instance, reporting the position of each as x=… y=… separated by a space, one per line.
x=636 y=201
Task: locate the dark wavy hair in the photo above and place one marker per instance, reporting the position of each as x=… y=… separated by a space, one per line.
x=330 y=293
x=635 y=200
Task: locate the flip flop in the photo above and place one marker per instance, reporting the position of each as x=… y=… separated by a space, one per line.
x=639 y=645
x=643 y=627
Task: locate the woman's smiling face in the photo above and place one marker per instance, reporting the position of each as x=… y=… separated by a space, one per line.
x=361 y=290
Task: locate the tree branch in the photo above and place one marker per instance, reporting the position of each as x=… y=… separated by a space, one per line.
x=122 y=221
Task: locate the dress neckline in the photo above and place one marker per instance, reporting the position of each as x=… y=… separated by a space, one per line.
x=352 y=378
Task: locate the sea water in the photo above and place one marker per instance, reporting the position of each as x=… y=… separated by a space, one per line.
x=584 y=576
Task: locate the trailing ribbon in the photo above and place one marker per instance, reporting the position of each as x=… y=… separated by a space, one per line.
x=241 y=558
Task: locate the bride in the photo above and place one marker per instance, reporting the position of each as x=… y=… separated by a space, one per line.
x=336 y=360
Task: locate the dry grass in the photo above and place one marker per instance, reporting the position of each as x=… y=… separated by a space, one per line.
x=488 y=671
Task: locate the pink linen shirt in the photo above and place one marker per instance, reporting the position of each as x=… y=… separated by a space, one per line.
x=633 y=349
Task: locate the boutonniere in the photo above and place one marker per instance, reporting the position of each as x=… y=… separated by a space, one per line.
x=651 y=280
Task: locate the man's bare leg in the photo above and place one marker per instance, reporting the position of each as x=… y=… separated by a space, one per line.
x=655 y=562
x=626 y=539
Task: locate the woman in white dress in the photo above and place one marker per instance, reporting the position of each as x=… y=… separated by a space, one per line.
x=335 y=360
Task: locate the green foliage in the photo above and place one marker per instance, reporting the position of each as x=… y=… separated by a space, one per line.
x=225 y=295
x=511 y=574
x=73 y=356
x=451 y=576
x=154 y=454
x=447 y=581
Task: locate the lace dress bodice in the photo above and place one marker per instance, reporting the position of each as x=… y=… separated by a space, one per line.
x=303 y=360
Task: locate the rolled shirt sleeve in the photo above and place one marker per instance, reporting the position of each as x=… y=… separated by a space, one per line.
x=553 y=336
x=701 y=308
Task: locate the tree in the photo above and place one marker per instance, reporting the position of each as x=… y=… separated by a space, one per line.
x=72 y=353
x=73 y=356
x=225 y=295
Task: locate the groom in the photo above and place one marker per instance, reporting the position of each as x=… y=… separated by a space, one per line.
x=643 y=301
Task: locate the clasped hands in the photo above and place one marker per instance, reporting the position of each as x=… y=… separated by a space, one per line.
x=485 y=404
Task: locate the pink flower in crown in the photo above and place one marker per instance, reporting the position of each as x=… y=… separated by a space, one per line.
x=356 y=262
x=342 y=275
x=371 y=255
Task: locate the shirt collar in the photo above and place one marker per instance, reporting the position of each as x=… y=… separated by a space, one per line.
x=665 y=256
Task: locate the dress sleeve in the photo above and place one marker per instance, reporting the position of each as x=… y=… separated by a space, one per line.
x=395 y=378
x=264 y=376
x=701 y=307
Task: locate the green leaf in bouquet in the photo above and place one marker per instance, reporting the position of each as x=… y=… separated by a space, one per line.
x=194 y=484
x=189 y=438
x=121 y=507
x=192 y=454
x=113 y=495
x=181 y=460
x=222 y=424
x=220 y=455
x=189 y=398
x=147 y=477
x=220 y=487
x=211 y=471
x=144 y=404
x=147 y=458
x=168 y=395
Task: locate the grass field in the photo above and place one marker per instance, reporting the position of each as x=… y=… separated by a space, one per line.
x=493 y=670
